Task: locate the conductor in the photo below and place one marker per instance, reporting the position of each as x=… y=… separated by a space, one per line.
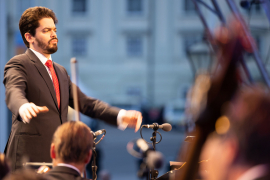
x=39 y=91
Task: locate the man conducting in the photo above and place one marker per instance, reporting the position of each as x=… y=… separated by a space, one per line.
x=71 y=150
x=39 y=91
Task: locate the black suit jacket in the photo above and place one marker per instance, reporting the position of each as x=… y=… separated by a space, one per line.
x=27 y=80
x=63 y=173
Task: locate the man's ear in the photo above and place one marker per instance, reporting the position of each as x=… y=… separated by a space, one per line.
x=29 y=38
x=52 y=151
x=88 y=158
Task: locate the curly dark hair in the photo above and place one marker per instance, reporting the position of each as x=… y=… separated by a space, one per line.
x=29 y=21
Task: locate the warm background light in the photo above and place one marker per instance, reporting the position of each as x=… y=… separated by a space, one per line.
x=222 y=125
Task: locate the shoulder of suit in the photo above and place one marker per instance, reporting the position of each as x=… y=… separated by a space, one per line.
x=19 y=59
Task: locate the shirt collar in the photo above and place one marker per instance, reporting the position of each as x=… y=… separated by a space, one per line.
x=70 y=166
x=40 y=56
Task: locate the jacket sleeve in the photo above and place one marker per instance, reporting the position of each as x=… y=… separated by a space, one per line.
x=15 y=81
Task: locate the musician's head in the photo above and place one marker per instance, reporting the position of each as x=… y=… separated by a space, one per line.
x=37 y=27
x=247 y=142
x=72 y=144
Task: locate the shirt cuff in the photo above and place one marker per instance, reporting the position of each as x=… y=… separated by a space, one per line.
x=121 y=125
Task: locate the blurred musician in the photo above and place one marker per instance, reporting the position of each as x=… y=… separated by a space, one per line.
x=71 y=150
x=242 y=152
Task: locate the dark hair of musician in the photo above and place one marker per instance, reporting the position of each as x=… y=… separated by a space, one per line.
x=73 y=140
x=250 y=125
x=4 y=166
x=29 y=21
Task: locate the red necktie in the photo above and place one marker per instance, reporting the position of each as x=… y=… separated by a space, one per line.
x=55 y=81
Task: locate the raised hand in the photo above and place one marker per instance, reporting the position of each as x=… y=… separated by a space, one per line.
x=133 y=119
x=29 y=110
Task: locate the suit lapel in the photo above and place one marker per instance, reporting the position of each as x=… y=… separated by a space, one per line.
x=43 y=72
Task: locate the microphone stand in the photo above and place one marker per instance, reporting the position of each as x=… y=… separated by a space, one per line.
x=94 y=164
x=153 y=172
x=94 y=161
x=152 y=175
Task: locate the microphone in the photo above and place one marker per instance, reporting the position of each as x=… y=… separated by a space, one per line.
x=99 y=132
x=246 y=4
x=155 y=126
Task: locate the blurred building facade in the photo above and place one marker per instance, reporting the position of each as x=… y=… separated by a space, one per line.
x=131 y=53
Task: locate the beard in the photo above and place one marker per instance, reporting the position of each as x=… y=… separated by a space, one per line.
x=47 y=48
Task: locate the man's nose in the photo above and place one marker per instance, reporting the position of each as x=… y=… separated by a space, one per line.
x=53 y=34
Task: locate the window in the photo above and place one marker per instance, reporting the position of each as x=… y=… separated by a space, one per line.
x=79 y=46
x=252 y=8
x=189 y=6
x=134 y=46
x=256 y=8
x=134 y=7
x=79 y=7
